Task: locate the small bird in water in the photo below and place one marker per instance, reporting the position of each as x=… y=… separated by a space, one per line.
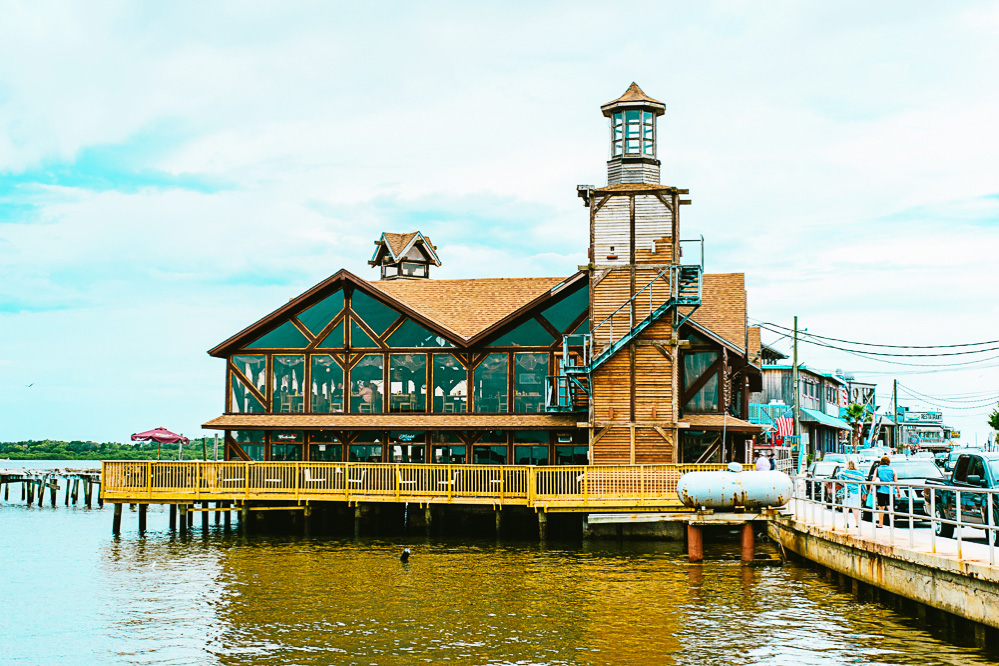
x=405 y=555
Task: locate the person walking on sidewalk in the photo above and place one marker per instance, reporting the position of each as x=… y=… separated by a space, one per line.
x=852 y=492
x=885 y=474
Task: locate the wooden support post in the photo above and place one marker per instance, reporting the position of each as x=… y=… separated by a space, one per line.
x=23 y=490
x=190 y=515
x=695 y=543
x=542 y=525
x=244 y=517
x=76 y=491
x=184 y=514
x=88 y=492
x=66 y=500
x=307 y=519
x=116 y=522
x=100 y=498
x=748 y=552
x=226 y=517
x=499 y=522
x=204 y=518
x=6 y=491
x=31 y=491
x=357 y=520
x=173 y=517
x=218 y=514
x=428 y=518
x=52 y=492
x=142 y=517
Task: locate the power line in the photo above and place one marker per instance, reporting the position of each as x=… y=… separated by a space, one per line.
x=867 y=355
x=872 y=344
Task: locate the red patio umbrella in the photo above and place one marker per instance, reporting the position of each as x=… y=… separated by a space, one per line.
x=161 y=436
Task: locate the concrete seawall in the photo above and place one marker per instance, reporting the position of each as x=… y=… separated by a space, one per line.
x=963 y=587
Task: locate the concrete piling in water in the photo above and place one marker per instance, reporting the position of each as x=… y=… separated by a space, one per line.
x=695 y=543
x=116 y=521
x=142 y=517
x=748 y=547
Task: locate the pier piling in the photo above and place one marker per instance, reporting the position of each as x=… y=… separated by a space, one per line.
x=66 y=499
x=184 y=519
x=204 y=517
x=116 y=522
x=357 y=520
x=695 y=543
x=748 y=550
x=31 y=491
x=499 y=522
x=542 y=525
x=53 y=488
x=226 y=516
x=428 y=518
x=142 y=517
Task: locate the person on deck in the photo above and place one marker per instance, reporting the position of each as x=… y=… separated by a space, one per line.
x=773 y=461
x=852 y=492
x=762 y=463
x=885 y=474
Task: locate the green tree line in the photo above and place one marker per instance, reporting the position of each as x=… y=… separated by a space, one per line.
x=49 y=449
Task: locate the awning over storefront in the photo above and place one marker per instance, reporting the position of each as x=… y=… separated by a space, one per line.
x=824 y=419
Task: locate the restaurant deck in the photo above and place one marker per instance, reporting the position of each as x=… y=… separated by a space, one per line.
x=550 y=488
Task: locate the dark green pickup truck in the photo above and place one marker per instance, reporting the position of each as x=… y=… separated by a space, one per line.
x=973 y=472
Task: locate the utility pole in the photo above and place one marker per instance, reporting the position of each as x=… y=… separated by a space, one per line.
x=894 y=418
x=797 y=418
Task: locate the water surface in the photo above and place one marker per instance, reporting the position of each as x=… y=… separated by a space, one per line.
x=70 y=593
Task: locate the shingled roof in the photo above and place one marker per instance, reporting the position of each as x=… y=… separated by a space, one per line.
x=723 y=307
x=468 y=307
x=635 y=94
x=398 y=244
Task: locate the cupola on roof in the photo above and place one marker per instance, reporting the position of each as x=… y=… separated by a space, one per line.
x=634 y=158
x=404 y=256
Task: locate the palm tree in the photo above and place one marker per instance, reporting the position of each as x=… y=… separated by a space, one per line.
x=855 y=414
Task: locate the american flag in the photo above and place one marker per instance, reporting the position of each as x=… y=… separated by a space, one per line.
x=785 y=426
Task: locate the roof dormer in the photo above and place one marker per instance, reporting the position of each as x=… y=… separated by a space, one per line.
x=404 y=256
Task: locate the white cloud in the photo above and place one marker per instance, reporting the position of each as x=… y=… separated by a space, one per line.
x=839 y=155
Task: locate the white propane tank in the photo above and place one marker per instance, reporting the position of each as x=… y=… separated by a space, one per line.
x=727 y=490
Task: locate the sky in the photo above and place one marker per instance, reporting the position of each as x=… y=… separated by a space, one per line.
x=171 y=172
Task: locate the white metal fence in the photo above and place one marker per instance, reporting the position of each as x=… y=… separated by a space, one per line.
x=824 y=502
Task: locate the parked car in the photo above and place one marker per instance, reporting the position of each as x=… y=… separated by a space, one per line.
x=954 y=455
x=940 y=458
x=915 y=471
x=835 y=457
x=974 y=470
x=865 y=456
x=817 y=476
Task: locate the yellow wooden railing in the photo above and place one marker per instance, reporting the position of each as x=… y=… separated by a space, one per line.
x=545 y=487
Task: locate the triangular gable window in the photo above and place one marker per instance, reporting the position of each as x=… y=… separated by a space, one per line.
x=335 y=339
x=358 y=338
x=562 y=314
x=411 y=334
x=528 y=334
x=318 y=317
x=377 y=316
x=285 y=336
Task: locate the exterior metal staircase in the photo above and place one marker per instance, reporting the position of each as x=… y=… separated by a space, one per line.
x=567 y=390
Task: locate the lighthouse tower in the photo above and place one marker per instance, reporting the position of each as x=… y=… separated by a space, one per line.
x=638 y=293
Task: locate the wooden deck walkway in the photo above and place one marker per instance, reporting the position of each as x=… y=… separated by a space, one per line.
x=555 y=488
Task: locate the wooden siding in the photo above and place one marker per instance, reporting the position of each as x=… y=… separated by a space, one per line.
x=612 y=390
x=612 y=228
x=653 y=386
x=608 y=295
x=653 y=221
x=614 y=448
x=651 y=447
x=640 y=172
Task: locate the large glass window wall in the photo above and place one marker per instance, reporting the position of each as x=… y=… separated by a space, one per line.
x=252 y=442
x=327 y=385
x=529 y=372
x=490 y=381
x=324 y=447
x=288 y=383
x=367 y=385
x=408 y=383
x=696 y=364
x=287 y=445
x=366 y=448
x=448 y=449
x=450 y=385
x=407 y=446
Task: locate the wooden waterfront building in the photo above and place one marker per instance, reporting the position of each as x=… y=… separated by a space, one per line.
x=637 y=358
